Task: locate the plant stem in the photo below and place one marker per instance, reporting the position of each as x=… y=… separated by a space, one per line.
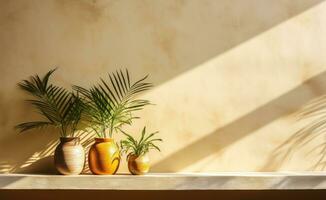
x=97 y=133
x=111 y=128
x=63 y=134
x=103 y=130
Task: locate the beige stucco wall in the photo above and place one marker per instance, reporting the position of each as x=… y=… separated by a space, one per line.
x=232 y=77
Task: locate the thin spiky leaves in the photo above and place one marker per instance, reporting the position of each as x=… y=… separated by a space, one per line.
x=139 y=147
x=60 y=108
x=111 y=103
x=36 y=86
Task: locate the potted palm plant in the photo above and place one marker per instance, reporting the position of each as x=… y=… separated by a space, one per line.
x=136 y=150
x=62 y=110
x=110 y=105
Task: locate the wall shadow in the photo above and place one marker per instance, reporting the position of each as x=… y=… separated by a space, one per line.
x=40 y=159
x=237 y=24
x=43 y=165
x=35 y=147
x=214 y=142
x=313 y=132
x=192 y=38
x=180 y=34
x=20 y=150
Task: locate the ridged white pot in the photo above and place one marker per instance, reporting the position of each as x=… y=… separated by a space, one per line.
x=69 y=156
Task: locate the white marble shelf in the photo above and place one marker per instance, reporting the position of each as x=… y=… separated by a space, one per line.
x=170 y=181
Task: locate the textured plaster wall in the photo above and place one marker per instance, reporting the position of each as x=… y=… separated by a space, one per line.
x=234 y=79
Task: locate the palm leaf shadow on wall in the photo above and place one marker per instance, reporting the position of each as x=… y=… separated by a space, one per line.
x=36 y=145
x=216 y=141
x=313 y=132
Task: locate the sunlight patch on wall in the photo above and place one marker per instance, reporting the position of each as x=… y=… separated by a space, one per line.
x=237 y=82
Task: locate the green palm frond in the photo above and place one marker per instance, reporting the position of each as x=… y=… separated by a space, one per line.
x=36 y=86
x=140 y=147
x=110 y=103
x=60 y=108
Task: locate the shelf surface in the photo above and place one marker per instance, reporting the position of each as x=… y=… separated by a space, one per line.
x=169 y=181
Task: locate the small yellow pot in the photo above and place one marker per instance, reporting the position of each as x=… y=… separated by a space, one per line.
x=104 y=156
x=138 y=165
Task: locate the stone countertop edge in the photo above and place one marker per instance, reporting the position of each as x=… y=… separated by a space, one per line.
x=169 y=181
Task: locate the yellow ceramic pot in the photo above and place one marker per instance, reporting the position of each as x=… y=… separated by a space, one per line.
x=104 y=156
x=138 y=165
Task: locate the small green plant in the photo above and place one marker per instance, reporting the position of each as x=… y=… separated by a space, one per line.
x=110 y=104
x=131 y=146
x=60 y=108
